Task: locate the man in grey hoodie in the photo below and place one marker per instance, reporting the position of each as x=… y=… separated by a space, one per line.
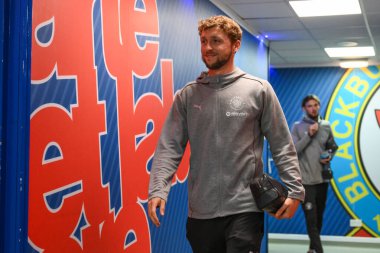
x=310 y=136
x=224 y=115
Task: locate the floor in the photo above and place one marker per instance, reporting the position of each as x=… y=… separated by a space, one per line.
x=283 y=243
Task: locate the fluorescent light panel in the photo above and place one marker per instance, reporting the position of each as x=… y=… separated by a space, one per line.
x=354 y=64
x=315 y=8
x=344 y=52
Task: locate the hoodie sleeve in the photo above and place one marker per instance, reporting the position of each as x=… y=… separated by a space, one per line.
x=169 y=150
x=300 y=142
x=275 y=129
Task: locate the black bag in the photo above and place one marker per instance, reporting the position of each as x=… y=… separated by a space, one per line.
x=268 y=193
x=331 y=147
x=327 y=173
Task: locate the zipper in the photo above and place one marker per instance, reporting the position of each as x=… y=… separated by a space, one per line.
x=218 y=154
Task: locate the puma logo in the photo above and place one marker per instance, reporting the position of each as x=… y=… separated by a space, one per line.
x=199 y=107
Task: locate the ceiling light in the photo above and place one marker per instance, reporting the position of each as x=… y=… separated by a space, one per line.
x=354 y=64
x=314 y=8
x=342 y=52
x=347 y=44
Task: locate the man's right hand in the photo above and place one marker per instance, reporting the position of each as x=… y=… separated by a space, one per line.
x=313 y=129
x=153 y=204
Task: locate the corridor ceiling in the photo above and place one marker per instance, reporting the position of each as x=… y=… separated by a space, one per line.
x=300 y=42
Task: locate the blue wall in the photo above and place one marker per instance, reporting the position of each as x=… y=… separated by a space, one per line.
x=15 y=27
x=115 y=163
x=291 y=85
x=351 y=192
x=2 y=172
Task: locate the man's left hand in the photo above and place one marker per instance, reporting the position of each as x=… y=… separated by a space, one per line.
x=287 y=209
x=325 y=161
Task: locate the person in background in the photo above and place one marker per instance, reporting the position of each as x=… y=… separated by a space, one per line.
x=224 y=114
x=311 y=136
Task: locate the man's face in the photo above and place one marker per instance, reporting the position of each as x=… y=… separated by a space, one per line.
x=312 y=108
x=216 y=48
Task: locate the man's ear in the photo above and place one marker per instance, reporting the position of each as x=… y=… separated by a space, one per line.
x=237 y=45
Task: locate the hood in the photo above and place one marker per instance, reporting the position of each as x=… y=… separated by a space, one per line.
x=220 y=81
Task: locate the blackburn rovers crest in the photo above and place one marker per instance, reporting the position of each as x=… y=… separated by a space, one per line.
x=354 y=114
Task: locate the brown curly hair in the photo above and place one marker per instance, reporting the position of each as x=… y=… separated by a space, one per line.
x=227 y=25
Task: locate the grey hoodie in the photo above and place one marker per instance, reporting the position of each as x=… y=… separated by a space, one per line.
x=309 y=148
x=225 y=119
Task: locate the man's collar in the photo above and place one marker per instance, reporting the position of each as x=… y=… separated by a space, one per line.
x=310 y=120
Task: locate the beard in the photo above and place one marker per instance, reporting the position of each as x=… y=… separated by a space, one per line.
x=313 y=116
x=220 y=61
